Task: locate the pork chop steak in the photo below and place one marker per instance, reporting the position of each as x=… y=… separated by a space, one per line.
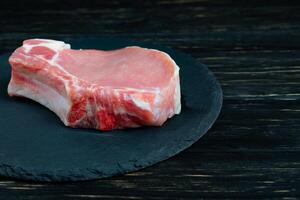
x=105 y=90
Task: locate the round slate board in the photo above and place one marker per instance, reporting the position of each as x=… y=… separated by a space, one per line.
x=35 y=145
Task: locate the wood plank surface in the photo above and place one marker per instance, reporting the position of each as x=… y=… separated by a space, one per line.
x=252 y=152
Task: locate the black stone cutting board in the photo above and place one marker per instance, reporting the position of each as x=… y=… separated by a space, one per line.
x=35 y=145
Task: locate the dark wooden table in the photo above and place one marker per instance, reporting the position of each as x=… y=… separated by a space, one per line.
x=253 y=150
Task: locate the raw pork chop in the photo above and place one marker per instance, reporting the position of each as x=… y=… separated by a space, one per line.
x=128 y=87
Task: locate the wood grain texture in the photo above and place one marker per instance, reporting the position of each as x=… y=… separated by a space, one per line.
x=253 y=48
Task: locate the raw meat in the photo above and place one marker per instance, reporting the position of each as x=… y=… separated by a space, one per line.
x=128 y=87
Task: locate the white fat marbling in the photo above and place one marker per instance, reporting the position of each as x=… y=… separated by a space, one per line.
x=140 y=103
x=51 y=44
x=177 y=97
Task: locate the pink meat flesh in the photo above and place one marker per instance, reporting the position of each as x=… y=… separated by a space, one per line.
x=128 y=87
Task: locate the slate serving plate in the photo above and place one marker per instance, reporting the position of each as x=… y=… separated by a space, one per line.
x=35 y=145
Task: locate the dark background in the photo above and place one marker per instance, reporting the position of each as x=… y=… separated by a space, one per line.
x=253 y=150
